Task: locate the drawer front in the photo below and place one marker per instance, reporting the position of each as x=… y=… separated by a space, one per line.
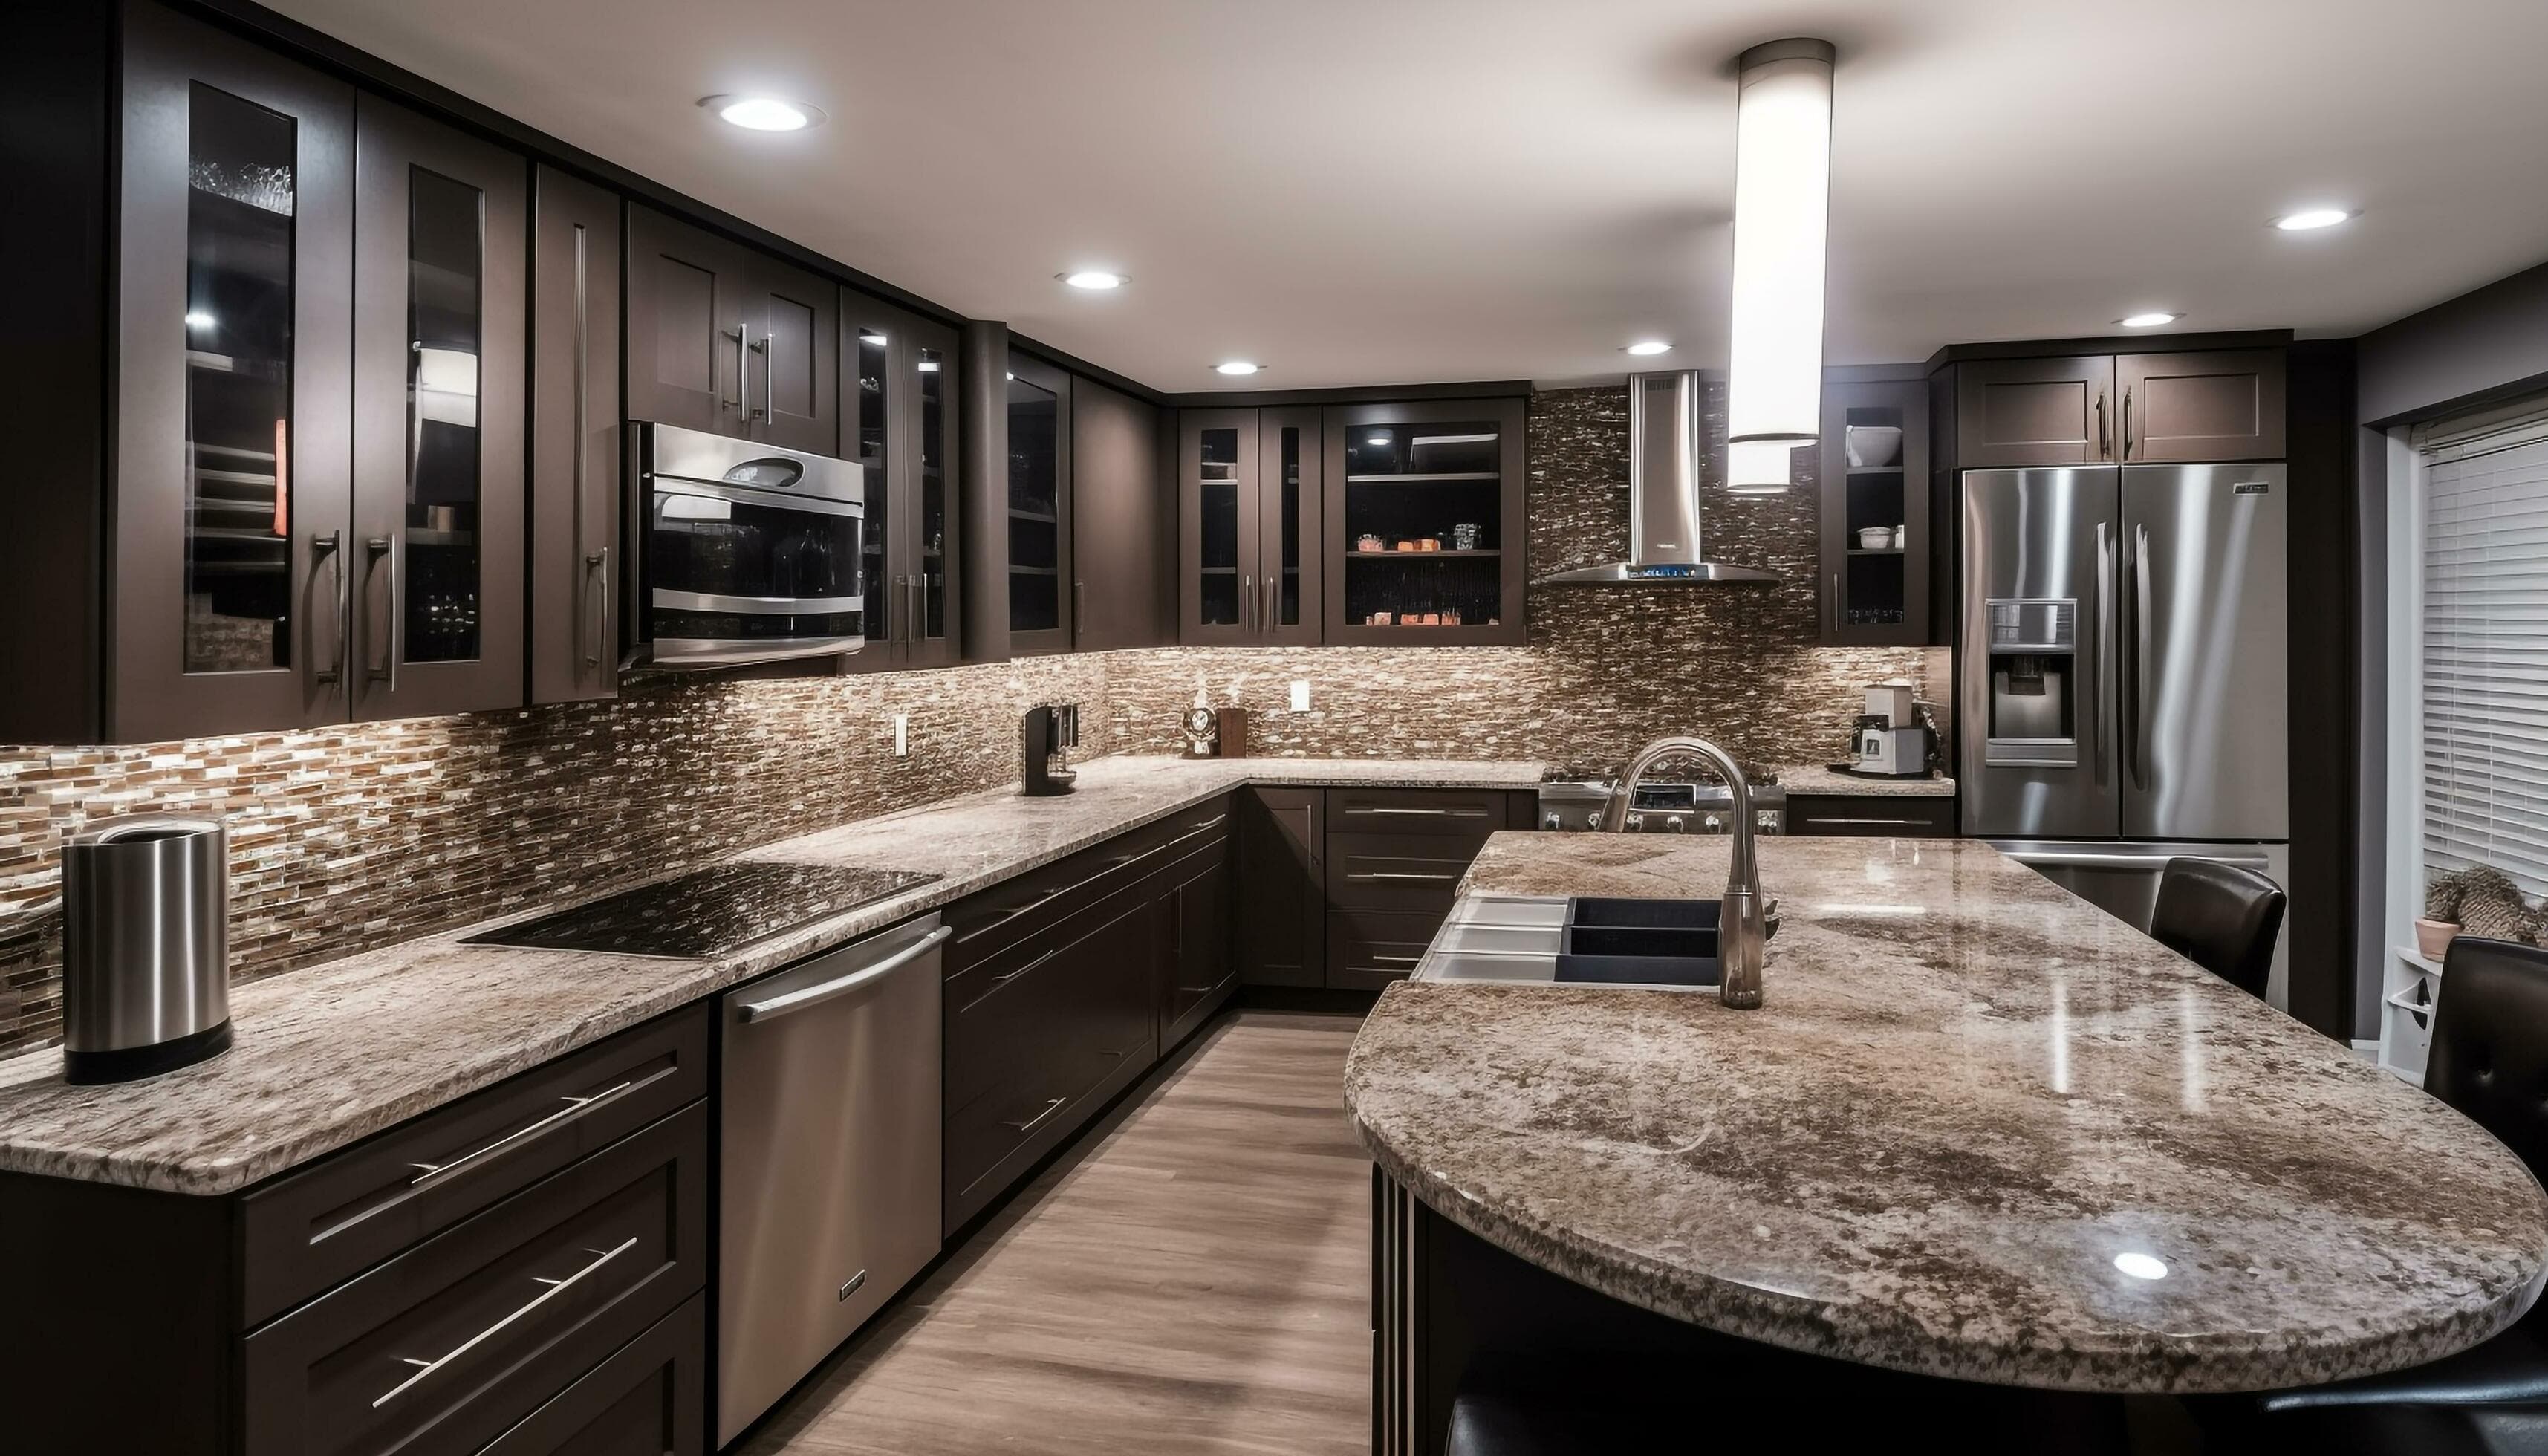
x=448 y=1346
x=1474 y=812
x=993 y=1141
x=1008 y=1012
x=313 y=1230
x=1033 y=903
x=650 y=1397
x=1369 y=949
x=1873 y=814
x=1415 y=872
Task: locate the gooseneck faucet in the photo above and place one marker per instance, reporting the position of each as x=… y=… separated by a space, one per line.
x=1742 y=930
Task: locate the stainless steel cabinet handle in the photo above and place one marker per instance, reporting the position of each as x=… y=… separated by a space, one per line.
x=596 y=575
x=742 y=336
x=2140 y=656
x=821 y=991
x=2102 y=452
x=1835 y=601
x=330 y=548
x=1396 y=960
x=435 y=1172
x=1354 y=875
x=1247 y=602
x=1004 y=979
x=1273 y=603
x=1200 y=825
x=1031 y=1124
x=378 y=547
x=1079 y=608
x=1420 y=813
x=1902 y=823
x=766 y=383
x=428 y=1367
x=2127 y=423
x=2105 y=684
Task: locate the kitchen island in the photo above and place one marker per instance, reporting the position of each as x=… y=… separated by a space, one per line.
x=1979 y=1130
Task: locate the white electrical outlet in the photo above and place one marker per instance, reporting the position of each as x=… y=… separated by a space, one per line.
x=1299 y=694
x=902 y=734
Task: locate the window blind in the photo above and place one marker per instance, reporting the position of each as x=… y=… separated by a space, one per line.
x=2486 y=643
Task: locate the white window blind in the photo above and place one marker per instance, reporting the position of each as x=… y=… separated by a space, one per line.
x=2486 y=643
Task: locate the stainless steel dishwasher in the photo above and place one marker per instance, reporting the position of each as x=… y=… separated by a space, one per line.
x=830 y=1157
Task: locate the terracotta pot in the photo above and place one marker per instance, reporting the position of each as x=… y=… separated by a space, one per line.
x=2433 y=938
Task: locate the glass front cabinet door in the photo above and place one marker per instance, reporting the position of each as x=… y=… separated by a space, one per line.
x=1039 y=496
x=1248 y=499
x=898 y=420
x=1424 y=522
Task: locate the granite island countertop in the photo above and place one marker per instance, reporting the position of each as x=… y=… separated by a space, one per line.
x=331 y=1054
x=1968 y=1096
x=1824 y=778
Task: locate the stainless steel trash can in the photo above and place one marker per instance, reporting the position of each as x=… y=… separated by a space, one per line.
x=145 y=948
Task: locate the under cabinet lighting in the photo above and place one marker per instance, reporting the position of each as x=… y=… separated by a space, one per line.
x=2147 y=321
x=1236 y=366
x=1759 y=467
x=1782 y=136
x=1092 y=278
x=1645 y=349
x=1378 y=441
x=929 y=366
x=764 y=113
x=198 y=318
x=2308 y=219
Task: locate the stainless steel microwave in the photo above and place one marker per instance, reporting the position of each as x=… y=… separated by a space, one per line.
x=745 y=552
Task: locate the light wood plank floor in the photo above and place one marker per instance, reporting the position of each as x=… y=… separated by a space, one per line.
x=1197 y=1279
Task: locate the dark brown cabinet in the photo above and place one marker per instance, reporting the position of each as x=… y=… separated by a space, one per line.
x=1393 y=862
x=1039 y=506
x=2036 y=411
x=1425 y=539
x=898 y=419
x=440 y=343
x=575 y=439
x=1122 y=524
x=1197 y=970
x=724 y=338
x=1282 y=878
x=649 y=1399
x=2206 y=405
x=1248 y=503
x=1871 y=815
x=1873 y=477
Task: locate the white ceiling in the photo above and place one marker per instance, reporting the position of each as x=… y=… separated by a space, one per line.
x=1379 y=191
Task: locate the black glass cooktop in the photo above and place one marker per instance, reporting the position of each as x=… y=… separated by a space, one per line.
x=706 y=912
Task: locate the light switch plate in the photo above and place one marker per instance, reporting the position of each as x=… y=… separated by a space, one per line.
x=902 y=734
x=1299 y=694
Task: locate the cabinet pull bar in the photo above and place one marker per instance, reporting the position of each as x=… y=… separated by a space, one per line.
x=2127 y=423
x=2102 y=452
x=1247 y=603
x=768 y=384
x=1031 y=1124
x=1201 y=825
x=1354 y=875
x=597 y=576
x=1420 y=813
x=1912 y=823
x=1399 y=960
x=381 y=546
x=740 y=335
x=1079 y=608
x=436 y=1173
x=332 y=548
x=426 y=1368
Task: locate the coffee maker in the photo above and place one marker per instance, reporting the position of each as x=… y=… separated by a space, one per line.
x=1045 y=737
x=1891 y=740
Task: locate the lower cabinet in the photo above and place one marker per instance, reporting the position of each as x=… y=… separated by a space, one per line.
x=650 y=1397
x=1282 y=873
x=1871 y=815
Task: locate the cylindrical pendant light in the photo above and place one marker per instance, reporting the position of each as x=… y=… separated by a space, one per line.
x=1782 y=215
x=1759 y=467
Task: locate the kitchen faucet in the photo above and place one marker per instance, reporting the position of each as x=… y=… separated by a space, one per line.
x=1743 y=927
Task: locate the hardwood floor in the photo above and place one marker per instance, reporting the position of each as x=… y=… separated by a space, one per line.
x=1196 y=1280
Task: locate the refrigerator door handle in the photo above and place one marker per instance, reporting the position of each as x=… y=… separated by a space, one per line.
x=2140 y=656
x=2096 y=714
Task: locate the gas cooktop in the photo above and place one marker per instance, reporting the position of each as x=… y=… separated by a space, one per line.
x=706 y=912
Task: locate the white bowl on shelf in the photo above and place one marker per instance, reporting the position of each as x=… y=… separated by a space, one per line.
x=1875 y=538
x=1872 y=446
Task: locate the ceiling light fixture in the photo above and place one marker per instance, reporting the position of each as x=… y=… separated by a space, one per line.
x=1647 y=349
x=1096 y=280
x=1236 y=366
x=1378 y=441
x=875 y=341
x=2140 y=1266
x=765 y=112
x=2147 y=321
x=1759 y=467
x=2308 y=219
x=198 y=318
x=928 y=366
x=1783 y=131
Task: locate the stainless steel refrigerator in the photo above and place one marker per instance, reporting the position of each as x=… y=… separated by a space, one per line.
x=2122 y=682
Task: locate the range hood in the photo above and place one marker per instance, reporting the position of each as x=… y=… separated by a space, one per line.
x=1662 y=493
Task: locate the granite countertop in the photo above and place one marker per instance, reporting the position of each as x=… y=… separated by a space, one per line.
x=1968 y=1096
x=1823 y=778
x=335 y=1052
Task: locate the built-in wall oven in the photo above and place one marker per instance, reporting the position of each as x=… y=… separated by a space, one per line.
x=745 y=552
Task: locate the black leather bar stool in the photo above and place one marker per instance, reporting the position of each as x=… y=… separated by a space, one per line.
x=2489 y=1060
x=2222 y=918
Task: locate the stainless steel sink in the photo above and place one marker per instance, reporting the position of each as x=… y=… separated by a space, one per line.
x=1548 y=940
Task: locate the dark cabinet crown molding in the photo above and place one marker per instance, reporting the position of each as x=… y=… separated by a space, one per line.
x=2113 y=343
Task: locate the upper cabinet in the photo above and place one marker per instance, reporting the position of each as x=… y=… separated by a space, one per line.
x=727 y=340
x=1038 y=497
x=1248 y=507
x=575 y=439
x=1424 y=526
x=2214 y=405
x=1121 y=523
x=898 y=419
x=2083 y=409
x=1876 y=543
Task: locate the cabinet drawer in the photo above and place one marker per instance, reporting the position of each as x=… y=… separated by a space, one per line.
x=1033 y=902
x=313 y=1230
x=1473 y=812
x=1873 y=814
x=1369 y=949
x=448 y=1346
x=1397 y=872
x=650 y=1397
x=1080 y=985
x=1032 y=1108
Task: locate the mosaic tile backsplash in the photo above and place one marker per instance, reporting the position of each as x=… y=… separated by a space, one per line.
x=346 y=838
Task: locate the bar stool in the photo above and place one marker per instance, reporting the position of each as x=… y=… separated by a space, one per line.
x=2222 y=918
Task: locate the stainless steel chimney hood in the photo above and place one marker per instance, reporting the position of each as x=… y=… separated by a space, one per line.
x=1662 y=493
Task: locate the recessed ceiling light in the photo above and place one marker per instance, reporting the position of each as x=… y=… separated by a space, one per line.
x=876 y=339
x=1236 y=366
x=2308 y=219
x=765 y=112
x=1094 y=279
x=2147 y=321
x=1646 y=347
x=1004 y=374
x=2141 y=1265
x=198 y=318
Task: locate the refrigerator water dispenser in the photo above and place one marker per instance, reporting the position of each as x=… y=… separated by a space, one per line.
x=2034 y=707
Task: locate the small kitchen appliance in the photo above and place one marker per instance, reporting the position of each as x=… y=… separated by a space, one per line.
x=1891 y=738
x=1045 y=737
x=145 y=949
